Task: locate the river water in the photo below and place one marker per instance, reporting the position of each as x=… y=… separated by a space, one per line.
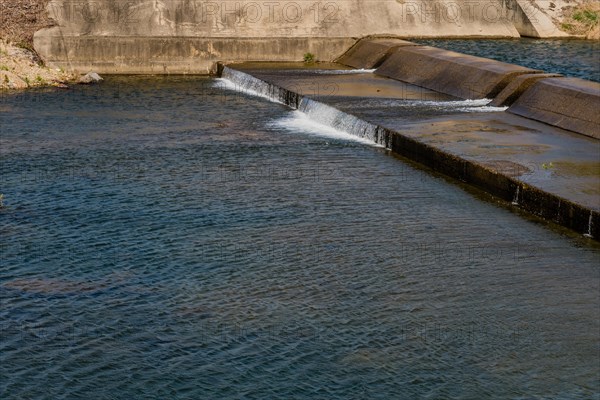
x=170 y=238
x=570 y=57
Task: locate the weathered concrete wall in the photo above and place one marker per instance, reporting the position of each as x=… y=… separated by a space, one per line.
x=530 y=20
x=185 y=55
x=456 y=74
x=569 y=103
x=129 y=36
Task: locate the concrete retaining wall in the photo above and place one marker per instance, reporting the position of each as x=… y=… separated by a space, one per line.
x=568 y=103
x=456 y=74
x=530 y=20
x=173 y=36
x=177 y=55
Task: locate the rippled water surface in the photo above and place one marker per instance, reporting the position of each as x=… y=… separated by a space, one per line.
x=166 y=238
x=578 y=58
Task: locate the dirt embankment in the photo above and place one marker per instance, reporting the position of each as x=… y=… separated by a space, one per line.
x=582 y=19
x=20 y=67
x=20 y=19
x=576 y=17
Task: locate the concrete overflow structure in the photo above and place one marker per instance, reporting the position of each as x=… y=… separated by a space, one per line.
x=547 y=116
x=541 y=154
x=543 y=170
x=568 y=103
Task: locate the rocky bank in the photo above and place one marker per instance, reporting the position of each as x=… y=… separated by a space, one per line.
x=21 y=68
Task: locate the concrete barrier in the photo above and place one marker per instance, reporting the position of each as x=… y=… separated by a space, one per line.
x=517 y=87
x=530 y=19
x=178 y=36
x=456 y=74
x=370 y=53
x=568 y=103
x=176 y=55
x=493 y=176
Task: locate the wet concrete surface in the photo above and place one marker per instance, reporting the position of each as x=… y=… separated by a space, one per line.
x=563 y=164
x=334 y=80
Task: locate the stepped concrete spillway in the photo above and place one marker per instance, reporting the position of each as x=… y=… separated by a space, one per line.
x=568 y=103
x=449 y=72
x=525 y=161
x=190 y=36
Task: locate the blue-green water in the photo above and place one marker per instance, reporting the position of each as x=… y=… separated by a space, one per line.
x=578 y=58
x=164 y=238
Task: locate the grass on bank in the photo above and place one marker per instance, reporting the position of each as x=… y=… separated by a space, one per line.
x=583 y=19
x=309 y=58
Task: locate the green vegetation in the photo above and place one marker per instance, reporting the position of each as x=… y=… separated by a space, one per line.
x=25 y=45
x=309 y=58
x=583 y=19
x=567 y=27
x=3 y=68
x=547 y=166
x=586 y=16
x=6 y=80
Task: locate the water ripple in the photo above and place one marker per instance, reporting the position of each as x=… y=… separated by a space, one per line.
x=172 y=243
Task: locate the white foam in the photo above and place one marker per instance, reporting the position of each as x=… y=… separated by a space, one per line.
x=344 y=71
x=298 y=122
x=224 y=83
x=477 y=105
x=470 y=103
x=483 y=109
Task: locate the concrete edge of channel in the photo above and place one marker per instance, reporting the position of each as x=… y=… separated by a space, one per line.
x=537 y=202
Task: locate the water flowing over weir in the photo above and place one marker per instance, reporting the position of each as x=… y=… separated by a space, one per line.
x=243 y=82
x=319 y=112
x=342 y=121
x=467 y=140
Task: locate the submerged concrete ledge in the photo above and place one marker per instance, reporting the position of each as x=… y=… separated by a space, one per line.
x=502 y=179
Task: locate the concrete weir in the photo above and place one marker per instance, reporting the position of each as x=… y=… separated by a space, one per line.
x=370 y=53
x=542 y=169
x=569 y=103
x=459 y=75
